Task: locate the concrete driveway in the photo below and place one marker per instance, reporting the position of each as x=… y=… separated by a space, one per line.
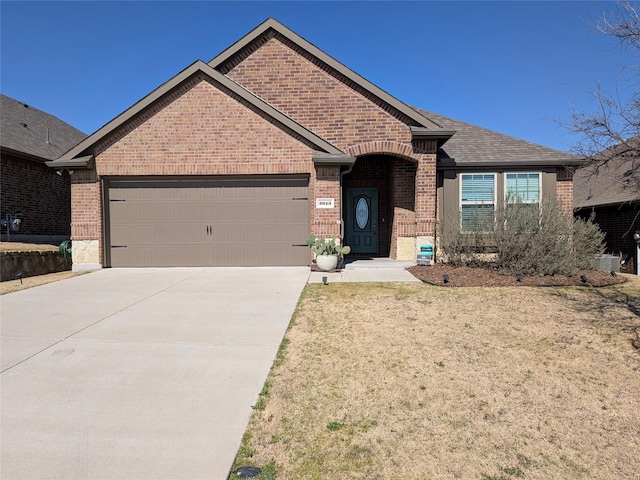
x=138 y=373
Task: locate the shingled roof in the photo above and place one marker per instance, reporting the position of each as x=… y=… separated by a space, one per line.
x=474 y=146
x=32 y=133
x=614 y=182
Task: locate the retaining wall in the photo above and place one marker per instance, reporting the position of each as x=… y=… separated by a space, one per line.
x=31 y=264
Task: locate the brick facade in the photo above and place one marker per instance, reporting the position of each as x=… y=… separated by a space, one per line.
x=43 y=197
x=203 y=131
x=564 y=189
x=204 y=126
x=199 y=129
x=316 y=97
x=619 y=223
x=375 y=172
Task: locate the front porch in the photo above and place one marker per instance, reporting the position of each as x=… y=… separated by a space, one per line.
x=378 y=207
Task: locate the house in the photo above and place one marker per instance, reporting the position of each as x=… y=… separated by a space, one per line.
x=236 y=161
x=479 y=167
x=611 y=192
x=28 y=139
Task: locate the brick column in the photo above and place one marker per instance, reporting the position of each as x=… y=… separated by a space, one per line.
x=426 y=193
x=325 y=222
x=564 y=189
x=426 y=196
x=86 y=220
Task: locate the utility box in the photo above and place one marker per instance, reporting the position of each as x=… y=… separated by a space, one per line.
x=425 y=256
x=607 y=263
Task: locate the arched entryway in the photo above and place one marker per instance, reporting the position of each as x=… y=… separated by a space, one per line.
x=378 y=198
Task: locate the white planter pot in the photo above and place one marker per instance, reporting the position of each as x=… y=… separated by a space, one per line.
x=327 y=262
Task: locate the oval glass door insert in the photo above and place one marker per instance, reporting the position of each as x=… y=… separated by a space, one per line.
x=362 y=213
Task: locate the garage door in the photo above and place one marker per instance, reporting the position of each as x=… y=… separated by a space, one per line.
x=259 y=221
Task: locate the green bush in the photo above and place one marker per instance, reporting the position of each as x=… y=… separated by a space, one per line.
x=588 y=241
x=532 y=239
x=456 y=245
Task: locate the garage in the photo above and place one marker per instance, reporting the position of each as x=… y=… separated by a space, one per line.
x=214 y=221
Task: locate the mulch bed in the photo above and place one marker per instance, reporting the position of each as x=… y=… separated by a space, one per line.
x=487 y=277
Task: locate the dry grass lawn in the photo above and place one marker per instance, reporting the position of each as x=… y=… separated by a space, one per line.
x=11 y=286
x=400 y=381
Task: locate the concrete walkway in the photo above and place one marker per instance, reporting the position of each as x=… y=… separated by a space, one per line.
x=368 y=270
x=138 y=373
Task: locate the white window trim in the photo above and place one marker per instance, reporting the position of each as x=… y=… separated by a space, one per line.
x=505 y=193
x=461 y=203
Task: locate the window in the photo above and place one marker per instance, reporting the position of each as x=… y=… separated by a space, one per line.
x=477 y=201
x=522 y=194
x=523 y=187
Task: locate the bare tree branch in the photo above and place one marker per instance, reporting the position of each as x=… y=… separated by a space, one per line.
x=610 y=134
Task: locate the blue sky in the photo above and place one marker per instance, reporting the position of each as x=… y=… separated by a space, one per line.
x=509 y=66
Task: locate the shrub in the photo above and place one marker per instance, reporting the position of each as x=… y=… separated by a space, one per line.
x=588 y=241
x=532 y=239
x=456 y=244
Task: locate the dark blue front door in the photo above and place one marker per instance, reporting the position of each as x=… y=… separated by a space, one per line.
x=362 y=220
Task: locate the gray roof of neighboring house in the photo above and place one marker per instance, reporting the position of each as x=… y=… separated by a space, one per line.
x=615 y=182
x=23 y=130
x=476 y=146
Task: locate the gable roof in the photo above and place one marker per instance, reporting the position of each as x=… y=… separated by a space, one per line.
x=474 y=146
x=79 y=156
x=32 y=133
x=615 y=182
x=272 y=25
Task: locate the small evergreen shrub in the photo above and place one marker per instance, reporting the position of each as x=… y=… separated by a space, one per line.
x=528 y=238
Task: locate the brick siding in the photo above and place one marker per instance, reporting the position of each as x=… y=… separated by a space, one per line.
x=339 y=111
x=374 y=172
x=314 y=97
x=564 y=189
x=199 y=129
x=203 y=131
x=34 y=189
x=619 y=223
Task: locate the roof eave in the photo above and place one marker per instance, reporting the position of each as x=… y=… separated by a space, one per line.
x=23 y=155
x=87 y=162
x=451 y=164
x=440 y=135
x=607 y=204
x=86 y=145
x=328 y=159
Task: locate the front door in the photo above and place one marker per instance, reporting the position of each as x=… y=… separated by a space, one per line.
x=362 y=220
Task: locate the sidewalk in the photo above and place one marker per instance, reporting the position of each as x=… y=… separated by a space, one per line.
x=367 y=270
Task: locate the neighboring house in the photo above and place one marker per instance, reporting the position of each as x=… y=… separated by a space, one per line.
x=28 y=139
x=236 y=161
x=612 y=192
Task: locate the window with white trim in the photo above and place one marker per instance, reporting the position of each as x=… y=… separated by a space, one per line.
x=522 y=187
x=477 y=201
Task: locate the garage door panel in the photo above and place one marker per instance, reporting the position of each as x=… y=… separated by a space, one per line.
x=209 y=223
x=172 y=255
x=249 y=256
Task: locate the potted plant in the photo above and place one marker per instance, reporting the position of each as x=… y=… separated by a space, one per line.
x=328 y=252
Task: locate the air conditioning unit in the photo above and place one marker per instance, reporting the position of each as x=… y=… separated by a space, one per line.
x=607 y=263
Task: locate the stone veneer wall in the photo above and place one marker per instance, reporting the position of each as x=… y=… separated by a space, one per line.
x=31 y=264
